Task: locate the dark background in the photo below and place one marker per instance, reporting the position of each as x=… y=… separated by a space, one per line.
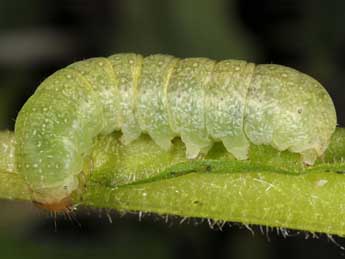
x=37 y=37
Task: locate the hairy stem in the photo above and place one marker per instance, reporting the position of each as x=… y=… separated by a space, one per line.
x=272 y=188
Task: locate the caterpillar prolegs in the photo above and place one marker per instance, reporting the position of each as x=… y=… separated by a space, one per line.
x=198 y=99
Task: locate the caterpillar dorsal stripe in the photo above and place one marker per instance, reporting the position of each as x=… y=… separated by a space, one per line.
x=198 y=99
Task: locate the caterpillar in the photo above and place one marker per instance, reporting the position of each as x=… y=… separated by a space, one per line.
x=197 y=99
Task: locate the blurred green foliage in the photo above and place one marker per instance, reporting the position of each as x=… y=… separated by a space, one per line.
x=38 y=37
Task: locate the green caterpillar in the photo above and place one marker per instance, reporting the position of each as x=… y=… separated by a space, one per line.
x=197 y=99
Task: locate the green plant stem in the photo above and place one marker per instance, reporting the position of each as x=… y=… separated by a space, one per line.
x=272 y=188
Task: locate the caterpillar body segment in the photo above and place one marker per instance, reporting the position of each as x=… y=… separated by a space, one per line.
x=197 y=99
x=186 y=103
x=127 y=69
x=99 y=74
x=289 y=110
x=152 y=102
x=225 y=105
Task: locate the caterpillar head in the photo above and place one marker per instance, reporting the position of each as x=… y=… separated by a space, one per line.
x=55 y=198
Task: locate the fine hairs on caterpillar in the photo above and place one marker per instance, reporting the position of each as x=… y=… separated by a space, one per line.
x=198 y=99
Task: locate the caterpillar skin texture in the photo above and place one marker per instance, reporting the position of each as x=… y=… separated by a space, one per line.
x=197 y=99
